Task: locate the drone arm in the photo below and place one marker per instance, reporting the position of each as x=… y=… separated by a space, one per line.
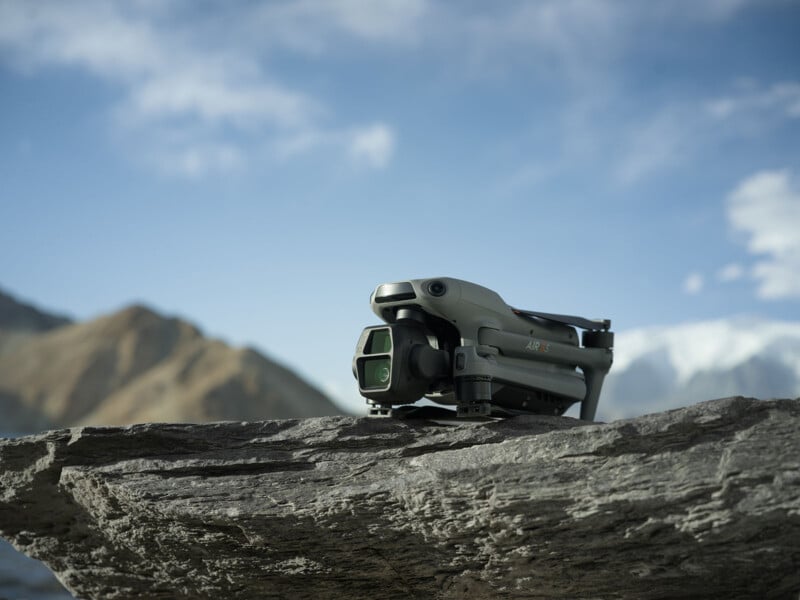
x=594 y=362
x=531 y=348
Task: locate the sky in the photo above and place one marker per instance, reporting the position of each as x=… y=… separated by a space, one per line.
x=259 y=167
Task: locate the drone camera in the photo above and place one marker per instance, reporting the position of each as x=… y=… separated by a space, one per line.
x=396 y=362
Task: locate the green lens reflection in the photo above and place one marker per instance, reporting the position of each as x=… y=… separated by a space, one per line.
x=380 y=341
x=377 y=372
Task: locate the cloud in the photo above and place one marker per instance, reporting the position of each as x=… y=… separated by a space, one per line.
x=94 y=36
x=216 y=100
x=373 y=146
x=713 y=11
x=216 y=68
x=657 y=142
x=674 y=364
x=781 y=98
x=765 y=207
x=675 y=132
x=693 y=284
x=164 y=76
x=314 y=26
x=730 y=272
x=568 y=37
x=198 y=160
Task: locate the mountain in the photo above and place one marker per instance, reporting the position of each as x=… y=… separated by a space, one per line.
x=659 y=368
x=138 y=366
x=18 y=321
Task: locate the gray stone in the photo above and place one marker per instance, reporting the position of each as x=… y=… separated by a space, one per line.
x=699 y=502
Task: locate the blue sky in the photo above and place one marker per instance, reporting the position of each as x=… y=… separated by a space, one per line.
x=258 y=167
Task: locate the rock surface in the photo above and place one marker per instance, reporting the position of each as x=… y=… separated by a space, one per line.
x=696 y=503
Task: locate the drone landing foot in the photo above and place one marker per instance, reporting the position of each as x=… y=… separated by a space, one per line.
x=379 y=410
x=473 y=410
x=474 y=396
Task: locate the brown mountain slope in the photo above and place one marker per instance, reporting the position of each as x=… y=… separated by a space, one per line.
x=137 y=366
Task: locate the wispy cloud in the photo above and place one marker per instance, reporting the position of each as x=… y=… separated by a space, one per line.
x=373 y=146
x=174 y=78
x=315 y=26
x=765 y=207
x=730 y=272
x=216 y=98
x=216 y=70
x=781 y=99
x=680 y=129
x=584 y=46
x=91 y=35
x=581 y=41
x=573 y=40
x=693 y=284
x=370 y=146
x=198 y=159
x=656 y=142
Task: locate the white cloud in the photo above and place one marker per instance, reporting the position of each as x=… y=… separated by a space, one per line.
x=693 y=284
x=730 y=272
x=666 y=359
x=94 y=36
x=708 y=10
x=720 y=344
x=216 y=99
x=302 y=142
x=677 y=131
x=211 y=69
x=570 y=37
x=657 y=142
x=766 y=208
x=388 y=19
x=781 y=99
x=373 y=146
x=212 y=99
x=198 y=160
x=315 y=26
x=582 y=41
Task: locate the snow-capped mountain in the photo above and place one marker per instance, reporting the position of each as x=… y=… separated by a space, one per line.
x=658 y=368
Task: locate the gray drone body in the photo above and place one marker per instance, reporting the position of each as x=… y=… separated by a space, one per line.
x=460 y=344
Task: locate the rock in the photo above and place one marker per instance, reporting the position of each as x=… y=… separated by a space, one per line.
x=698 y=502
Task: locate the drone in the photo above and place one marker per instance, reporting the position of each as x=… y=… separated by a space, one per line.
x=459 y=344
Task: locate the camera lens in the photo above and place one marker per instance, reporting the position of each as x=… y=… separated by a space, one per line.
x=383 y=374
x=377 y=372
x=380 y=341
x=437 y=288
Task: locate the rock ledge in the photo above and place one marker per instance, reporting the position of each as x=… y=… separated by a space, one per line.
x=698 y=502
